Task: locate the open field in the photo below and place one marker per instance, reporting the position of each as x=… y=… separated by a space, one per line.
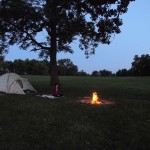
x=33 y=123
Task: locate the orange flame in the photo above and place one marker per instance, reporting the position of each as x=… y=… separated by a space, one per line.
x=95 y=98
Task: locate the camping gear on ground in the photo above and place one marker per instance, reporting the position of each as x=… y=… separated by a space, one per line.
x=56 y=90
x=13 y=83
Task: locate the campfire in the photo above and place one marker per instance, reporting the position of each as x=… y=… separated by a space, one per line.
x=95 y=100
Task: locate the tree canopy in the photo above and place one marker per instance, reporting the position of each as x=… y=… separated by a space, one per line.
x=93 y=21
x=61 y=22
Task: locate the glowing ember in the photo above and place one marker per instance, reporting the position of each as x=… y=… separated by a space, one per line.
x=95 y=98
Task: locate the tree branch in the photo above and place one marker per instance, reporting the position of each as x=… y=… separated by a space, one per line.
x=37 y=43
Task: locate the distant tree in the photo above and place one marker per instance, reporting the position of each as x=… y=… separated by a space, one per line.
x=131 y=72
x=7 y=66
x=32 y=67
x=92 y=21
x=95 y=73
x=105 y=73
x=66 y=67
x=35 y=67
x=122 y=72
x=1 y=58
x=1 y=63
x=43 y=67
x=19 y=66
x=82 y=73
x=141 y=65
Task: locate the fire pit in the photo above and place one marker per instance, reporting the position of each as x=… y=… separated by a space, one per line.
x=95 y=100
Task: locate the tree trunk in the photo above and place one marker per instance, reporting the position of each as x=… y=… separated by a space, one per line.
x=53 y=57
x=53 y=68
x=53 y=51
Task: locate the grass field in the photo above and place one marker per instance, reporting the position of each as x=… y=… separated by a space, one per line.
x=33 y=123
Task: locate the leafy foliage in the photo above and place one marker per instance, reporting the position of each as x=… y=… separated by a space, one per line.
x=102 y=73
x=66 y=67
x=122 y=72
x=93 y=22
x=32 y=67
x=95 y=73
x=105 y=73
x=141 y=65
x=82 y=73
x=36 y=67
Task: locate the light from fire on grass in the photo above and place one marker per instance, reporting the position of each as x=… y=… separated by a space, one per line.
x=95 y=98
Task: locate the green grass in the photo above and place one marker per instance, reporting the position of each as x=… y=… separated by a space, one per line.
x=33 y=123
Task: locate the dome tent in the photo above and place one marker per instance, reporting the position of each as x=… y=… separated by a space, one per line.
x=13 y=83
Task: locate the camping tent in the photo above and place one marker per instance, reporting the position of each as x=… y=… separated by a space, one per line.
x=13 y=83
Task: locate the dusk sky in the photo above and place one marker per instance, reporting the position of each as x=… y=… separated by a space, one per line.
x=134 y=39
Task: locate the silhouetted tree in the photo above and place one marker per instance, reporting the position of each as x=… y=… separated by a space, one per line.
x=19 y=66
x=1 y=62
x=7 y=66
x=82 y=73
x=92 y=21
x=123 y=72
x=35 y=67
x=105 y=73
x=131 y=72
x=141 y=65
x=95 y=73
x=66 y=67
x=31 y=67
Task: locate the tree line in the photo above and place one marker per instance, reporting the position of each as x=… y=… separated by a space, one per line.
x=36 y=67
x=31 y=67
x=140 y=67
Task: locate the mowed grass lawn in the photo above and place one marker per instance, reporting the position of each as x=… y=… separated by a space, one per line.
x=33 y=123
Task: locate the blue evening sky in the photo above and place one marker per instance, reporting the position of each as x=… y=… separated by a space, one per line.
x=134 y=39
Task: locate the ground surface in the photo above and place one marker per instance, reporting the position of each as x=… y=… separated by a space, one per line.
x=34 y=123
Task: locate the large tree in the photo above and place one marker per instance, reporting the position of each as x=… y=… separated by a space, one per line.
x=61 y=21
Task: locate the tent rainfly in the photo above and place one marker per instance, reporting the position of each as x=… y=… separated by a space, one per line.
x=13 y=83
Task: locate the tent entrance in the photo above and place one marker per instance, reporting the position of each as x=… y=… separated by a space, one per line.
x=20 y=83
